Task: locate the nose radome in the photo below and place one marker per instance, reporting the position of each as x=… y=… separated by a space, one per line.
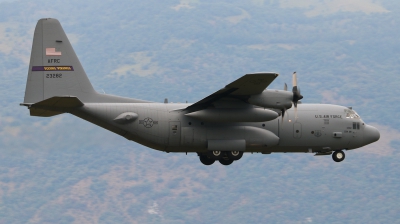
x=371 y=134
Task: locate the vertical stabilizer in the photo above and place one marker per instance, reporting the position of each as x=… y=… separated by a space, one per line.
x=54 y=68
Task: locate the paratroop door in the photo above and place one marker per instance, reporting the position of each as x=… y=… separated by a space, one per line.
x=174 y=133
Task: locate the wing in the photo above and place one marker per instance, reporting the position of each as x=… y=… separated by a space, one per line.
x=237 y=91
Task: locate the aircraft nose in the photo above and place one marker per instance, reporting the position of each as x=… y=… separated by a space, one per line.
x=371 y=134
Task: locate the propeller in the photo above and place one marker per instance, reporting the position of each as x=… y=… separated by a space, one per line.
x=296 y=95
x=296 y=91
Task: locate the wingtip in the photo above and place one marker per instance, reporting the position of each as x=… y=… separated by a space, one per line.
x=26 y=104
x=264 y=73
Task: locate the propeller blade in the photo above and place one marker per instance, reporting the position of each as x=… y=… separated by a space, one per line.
x=296 y=91
x=285 y=87
x=296 y=94
x=294 y=79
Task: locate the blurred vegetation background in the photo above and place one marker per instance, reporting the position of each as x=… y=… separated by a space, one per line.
x=65 y=170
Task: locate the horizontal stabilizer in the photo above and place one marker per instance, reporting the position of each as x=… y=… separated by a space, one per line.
x=53 y=106
x=60 y=102
x=43 y=113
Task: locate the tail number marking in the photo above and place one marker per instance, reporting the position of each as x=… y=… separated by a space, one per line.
x=53 y=75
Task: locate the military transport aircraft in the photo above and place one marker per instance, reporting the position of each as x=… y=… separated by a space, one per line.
x=243 y=116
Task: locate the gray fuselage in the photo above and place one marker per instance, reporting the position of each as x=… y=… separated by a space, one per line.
x=318 y=128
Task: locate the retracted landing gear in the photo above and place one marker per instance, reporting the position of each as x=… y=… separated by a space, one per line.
x=338 y=156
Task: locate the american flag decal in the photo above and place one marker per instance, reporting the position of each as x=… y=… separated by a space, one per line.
x=52 y=52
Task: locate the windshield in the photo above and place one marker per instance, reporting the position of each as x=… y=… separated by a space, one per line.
x=352 y=114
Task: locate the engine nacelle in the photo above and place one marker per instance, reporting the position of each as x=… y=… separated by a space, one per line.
x=270 y=98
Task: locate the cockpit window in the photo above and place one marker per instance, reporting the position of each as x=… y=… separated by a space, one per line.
x=352 y=114
x=356 y=125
